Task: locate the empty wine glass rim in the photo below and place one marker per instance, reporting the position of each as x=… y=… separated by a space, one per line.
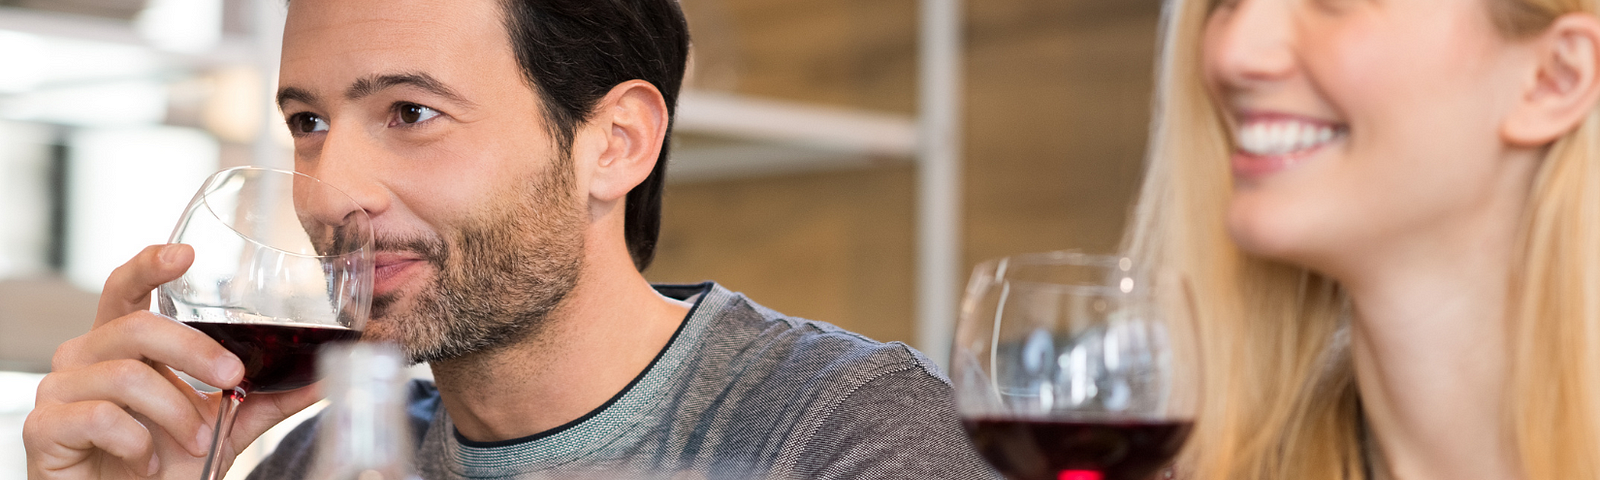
x=1068 y=257
x=1084 y=290
x=205 y=200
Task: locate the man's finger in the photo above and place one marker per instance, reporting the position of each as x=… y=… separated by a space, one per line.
x=128 y=288
x=146 y=336
x=134 y=385
x=263 y=411
x=76 y=430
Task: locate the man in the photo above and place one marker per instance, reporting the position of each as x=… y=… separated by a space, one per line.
x=511 y=158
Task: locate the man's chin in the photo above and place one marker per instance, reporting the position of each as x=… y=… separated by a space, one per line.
x=384 y=331
x=377 y=331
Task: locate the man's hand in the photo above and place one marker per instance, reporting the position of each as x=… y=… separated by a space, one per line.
x=111 y=406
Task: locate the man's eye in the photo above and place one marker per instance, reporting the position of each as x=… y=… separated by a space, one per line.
x=409 y=113
x=306 y=123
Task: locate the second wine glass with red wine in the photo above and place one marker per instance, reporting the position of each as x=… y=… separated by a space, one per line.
x=1068 y=366
x=282 y=266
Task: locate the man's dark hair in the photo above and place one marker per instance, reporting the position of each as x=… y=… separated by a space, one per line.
x=574 y=51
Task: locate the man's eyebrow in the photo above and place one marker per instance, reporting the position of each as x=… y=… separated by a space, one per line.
x=296 y=94
x=374 y=83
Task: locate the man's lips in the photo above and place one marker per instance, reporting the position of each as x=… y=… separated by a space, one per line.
x=391 y=270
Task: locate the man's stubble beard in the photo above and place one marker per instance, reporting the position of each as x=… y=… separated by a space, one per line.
x=496 y=281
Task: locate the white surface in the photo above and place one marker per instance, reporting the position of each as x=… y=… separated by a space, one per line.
x=24 y=199
x=188 y=26
x=24 y=57
x=79 y=82
x=128 y=102
x=227 y=50
x=129 y=186
x=35 y=59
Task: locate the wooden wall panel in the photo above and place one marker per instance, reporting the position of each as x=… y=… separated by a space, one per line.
x=1056 y=109
x=833 y=246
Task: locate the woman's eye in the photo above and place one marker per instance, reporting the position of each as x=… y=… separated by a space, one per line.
x=300 y=123
x=410 y=113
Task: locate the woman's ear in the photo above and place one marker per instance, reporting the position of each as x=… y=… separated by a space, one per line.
x=633 y=120
x=1565 y=86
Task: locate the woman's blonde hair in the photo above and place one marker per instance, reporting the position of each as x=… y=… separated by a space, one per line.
x=1281 y=399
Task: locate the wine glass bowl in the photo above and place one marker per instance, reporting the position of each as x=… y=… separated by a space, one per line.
x=283 y=264
x=1074 y=366
x=264 y=253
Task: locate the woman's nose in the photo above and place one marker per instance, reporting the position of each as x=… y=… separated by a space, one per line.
x=1249 y=42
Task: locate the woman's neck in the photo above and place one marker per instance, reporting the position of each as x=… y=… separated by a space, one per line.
x=1430 y=362
x=1429 y=340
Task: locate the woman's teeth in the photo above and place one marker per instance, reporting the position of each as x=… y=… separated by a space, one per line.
x=1281 y=137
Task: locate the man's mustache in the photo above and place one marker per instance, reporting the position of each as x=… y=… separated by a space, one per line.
x=432 y=250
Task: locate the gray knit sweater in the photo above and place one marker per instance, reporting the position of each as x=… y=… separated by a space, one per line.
x=741 y=392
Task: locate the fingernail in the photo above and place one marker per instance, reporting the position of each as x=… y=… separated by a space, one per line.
x=168 y=253
x=155 y=466
x=227 y=370
x=202 y=439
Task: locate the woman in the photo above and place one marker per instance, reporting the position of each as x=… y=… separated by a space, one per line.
x=1389 y=215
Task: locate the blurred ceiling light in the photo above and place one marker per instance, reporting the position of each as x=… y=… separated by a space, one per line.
x=186 y=26
x=29 y=61
x=75 y=61
x=23 y=58
x=112 y=103
x=235 y=107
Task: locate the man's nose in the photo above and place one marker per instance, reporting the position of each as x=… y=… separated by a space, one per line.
x=334 y=222
x=1250 y=42
x=349 y=162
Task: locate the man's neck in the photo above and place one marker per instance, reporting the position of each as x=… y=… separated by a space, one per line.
x=604 y=335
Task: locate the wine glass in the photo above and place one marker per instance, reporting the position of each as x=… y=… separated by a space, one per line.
x=282 y=265
x=1068 y=366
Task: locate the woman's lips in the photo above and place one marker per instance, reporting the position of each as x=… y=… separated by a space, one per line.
x=391 y=271
x=1270 y=142
x=1250 y=167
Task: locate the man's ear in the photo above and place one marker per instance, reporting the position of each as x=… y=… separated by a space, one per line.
x=1565 y=85
x=633 y=119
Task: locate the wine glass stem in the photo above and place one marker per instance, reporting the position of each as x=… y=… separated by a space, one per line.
x=225 y=413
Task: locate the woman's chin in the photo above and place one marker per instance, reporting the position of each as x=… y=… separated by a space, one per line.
x=1271 y=232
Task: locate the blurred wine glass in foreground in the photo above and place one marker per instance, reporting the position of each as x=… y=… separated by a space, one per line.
x=1069 y=366
x=282 y=265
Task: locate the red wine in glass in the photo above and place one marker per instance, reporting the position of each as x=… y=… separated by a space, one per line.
x=1040 y=449
x=277 y=357
x=1068 y=366
x=282 y=265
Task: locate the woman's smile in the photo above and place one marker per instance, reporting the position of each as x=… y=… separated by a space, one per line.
x=1269 y=142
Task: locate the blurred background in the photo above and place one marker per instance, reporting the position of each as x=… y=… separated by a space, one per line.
x=805 y=171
